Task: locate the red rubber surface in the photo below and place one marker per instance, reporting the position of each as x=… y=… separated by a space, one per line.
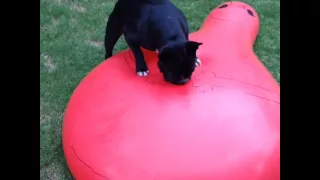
x=223 y=125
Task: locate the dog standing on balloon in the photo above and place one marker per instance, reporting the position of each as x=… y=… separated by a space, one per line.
x=156 y=25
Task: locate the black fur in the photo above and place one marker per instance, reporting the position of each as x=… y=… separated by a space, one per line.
x=154 y=25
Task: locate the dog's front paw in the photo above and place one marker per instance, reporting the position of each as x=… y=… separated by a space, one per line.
x=198 y=62
x=142 y=68
x=143 y=73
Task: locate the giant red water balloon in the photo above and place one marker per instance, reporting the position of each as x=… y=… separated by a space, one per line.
x=223 y=125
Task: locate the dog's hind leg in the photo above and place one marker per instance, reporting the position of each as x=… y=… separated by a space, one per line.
x=114 y=30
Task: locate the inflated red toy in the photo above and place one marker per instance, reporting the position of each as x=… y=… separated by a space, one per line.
x=223 y=125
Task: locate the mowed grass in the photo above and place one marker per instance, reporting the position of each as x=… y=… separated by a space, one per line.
x=71 y=44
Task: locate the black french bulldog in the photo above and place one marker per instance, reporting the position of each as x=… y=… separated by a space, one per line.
x=154 y=25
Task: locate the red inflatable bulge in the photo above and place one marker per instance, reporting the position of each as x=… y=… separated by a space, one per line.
x=222 y=125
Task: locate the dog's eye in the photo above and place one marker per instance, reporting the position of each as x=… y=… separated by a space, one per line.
x=223 y=6
x=250 y=12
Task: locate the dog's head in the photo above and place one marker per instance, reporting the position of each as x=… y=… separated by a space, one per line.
x=177 y=61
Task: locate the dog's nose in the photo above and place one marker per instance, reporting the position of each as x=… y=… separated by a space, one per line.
x=184 y=80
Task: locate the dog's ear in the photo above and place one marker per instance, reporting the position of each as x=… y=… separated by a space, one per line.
x=191 y=47
x=165 y=53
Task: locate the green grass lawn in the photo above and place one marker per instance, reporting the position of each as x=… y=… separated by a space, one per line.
x=71 y=44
